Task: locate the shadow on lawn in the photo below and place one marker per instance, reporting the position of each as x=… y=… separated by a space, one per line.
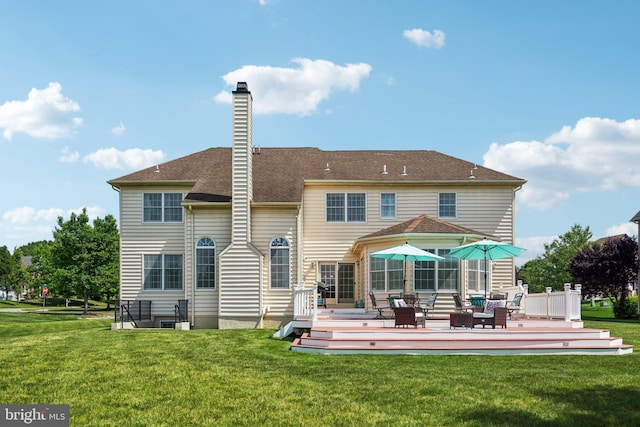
x=606 y=406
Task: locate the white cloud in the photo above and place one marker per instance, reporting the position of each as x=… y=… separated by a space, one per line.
x=628 y=228
x=135 y=158
x=27 y=224
x=118 y=130
x=69 y=156
x=534 y=247
x=45 y=114
x=294 y=90
x=424 y=38
x=594 y=155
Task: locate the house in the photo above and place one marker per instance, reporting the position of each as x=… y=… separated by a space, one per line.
x=233 y=229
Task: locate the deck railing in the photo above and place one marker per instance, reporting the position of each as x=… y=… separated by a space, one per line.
x=305 y=302
x=553 y=305
x=130 y=311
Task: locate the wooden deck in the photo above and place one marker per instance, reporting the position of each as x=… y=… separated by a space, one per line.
x=353 y=332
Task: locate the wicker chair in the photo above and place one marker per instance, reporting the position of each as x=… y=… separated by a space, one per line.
x=409 y=316
x=460 y=306
x=497 y=318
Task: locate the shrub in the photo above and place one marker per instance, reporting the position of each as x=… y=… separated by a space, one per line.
x=626 y=309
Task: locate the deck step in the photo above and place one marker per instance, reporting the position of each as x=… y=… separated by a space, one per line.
x=441 y=340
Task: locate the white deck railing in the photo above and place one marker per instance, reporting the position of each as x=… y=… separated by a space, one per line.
x=553 y=305
x=305 y=302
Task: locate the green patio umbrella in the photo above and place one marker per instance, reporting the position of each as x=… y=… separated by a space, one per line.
x=486 y=250
x=406 y=253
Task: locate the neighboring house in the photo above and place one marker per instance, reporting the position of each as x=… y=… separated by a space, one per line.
x=233 y=230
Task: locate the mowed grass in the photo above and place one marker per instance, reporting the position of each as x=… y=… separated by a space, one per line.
x=244 y=377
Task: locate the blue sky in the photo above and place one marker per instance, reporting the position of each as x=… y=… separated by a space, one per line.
x=547 y=91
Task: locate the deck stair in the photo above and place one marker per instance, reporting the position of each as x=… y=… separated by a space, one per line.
x=329 y=335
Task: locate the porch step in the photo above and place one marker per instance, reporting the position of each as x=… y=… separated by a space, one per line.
x=459 y=341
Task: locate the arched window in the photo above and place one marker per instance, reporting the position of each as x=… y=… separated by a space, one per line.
x=205 y=264
x=279 y=251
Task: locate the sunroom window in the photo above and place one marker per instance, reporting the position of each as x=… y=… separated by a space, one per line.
x=435 y=276
x=386 y=274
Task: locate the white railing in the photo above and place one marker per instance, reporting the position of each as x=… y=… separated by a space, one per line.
x=305 y=302
x=553 y=305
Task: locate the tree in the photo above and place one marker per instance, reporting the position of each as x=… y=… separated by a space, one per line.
x=107 y=255
x=607 y=269
x=41 y=268
x=552 y=268
x=84 y=258
x=12 y=274
x=6 y=266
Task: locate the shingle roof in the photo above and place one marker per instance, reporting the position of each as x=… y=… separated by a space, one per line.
x=279 y=173
x=424 y=224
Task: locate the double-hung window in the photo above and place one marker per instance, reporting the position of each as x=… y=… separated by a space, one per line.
x=279 y=258
x=205 y=264
x=162 y=207
x=447 y=205
x=435 y=276
x=387 y=205
x=163 y=272
x=346 y=207
x=386 y=274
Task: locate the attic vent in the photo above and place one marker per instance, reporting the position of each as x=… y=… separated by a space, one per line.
x=404 y=171
x=384 y=170
x=327 y=168
x=471 y=176
x=157 y=169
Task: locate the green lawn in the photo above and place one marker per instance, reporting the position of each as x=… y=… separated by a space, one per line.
x=241 y=378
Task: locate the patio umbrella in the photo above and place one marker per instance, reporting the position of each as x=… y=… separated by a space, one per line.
x=406 y=253
x=486 y=250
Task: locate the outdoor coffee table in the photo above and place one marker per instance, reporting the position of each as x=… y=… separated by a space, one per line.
x=461 y=320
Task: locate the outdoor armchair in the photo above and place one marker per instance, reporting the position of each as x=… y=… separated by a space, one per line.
x=406 y=315
x=460 y=305
x=494 y=314
x=377 y=306
x=430 y=305
x=515 y=304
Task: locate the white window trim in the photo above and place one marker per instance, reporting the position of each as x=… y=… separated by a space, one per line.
x=288 y=287
x=346 y=208
x=162 y=276
x=395 y=206
x=162 y=208
x=455 y=215
x=215 y=264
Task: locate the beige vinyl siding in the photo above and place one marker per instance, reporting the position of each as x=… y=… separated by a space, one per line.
x=239 y=283
x=484 y=208
x=139 y=238
x=214 y=223
x=269 y=223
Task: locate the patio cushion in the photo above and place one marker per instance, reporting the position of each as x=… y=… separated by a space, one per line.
x=399 y=302
x=492 y=304
x=482 y=315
